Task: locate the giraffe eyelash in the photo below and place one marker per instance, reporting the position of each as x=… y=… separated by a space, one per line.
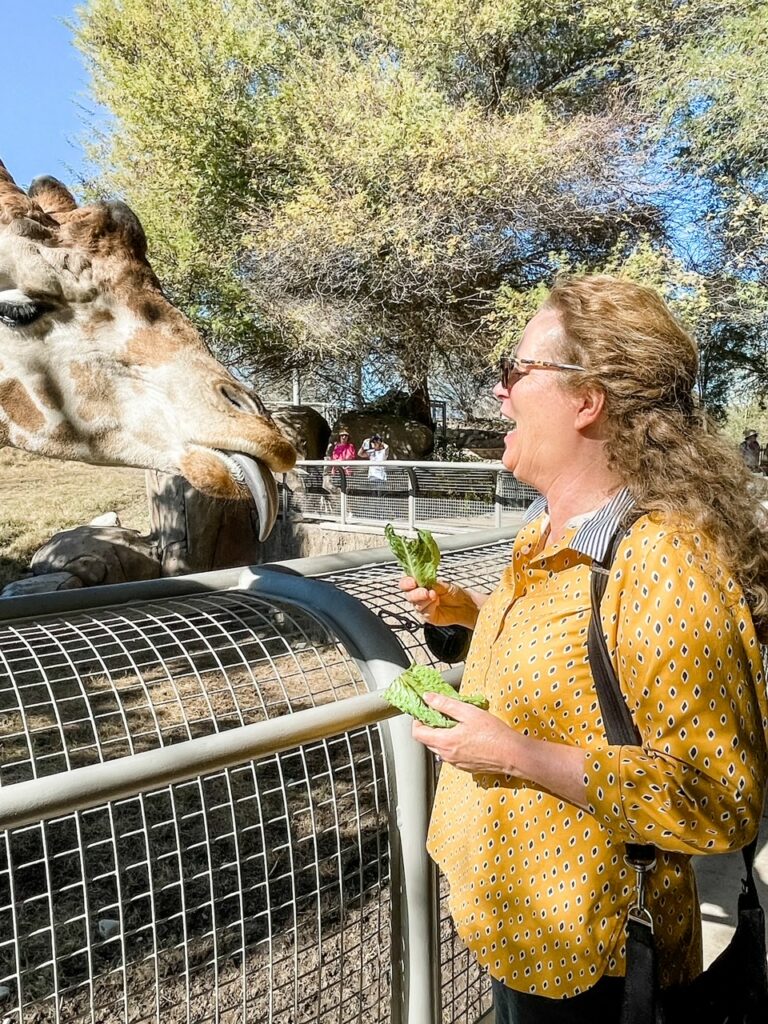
x=21 y=314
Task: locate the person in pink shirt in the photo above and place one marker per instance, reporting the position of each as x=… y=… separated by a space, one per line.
x=336 y=451
x=343 y=448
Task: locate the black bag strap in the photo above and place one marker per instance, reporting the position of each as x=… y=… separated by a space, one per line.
x=620 y=727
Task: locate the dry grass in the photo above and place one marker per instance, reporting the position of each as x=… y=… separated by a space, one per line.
x=39 y=497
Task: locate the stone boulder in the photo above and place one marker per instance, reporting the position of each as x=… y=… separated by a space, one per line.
x=407 y=439
x=99 y=555
x=484 y=442
x=305 y=428
x=46 y=584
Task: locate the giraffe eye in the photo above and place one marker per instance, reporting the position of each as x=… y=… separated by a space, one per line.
x=21 y=314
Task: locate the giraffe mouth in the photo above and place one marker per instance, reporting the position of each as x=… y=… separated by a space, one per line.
x=259 y=480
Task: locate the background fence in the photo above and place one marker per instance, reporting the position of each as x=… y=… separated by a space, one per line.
x=444 y=496
x=202 y=823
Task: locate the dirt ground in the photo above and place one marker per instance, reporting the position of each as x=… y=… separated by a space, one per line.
x=39 y=497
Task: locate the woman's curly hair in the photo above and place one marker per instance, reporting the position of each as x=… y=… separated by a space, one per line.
x=645 y=362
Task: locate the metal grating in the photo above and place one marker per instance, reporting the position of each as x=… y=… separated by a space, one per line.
x=259 y=893
x=376 y=587
x=465 y=989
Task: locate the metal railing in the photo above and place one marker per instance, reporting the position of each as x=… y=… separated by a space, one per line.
x=204 y=820
x=448 y=497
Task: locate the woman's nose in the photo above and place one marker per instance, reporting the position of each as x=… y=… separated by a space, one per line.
x=500 y=392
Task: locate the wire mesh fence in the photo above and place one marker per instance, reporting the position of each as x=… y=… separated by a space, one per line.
x=261 y=892
x=443 y=496
x=257 y=893
x=376 y=587
x=465 y=990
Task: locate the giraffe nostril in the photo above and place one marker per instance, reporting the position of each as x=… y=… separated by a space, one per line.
x=242 y=400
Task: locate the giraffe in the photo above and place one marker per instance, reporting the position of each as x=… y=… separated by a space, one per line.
x=96 y=364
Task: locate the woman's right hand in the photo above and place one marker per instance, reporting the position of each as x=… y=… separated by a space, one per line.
x=444 y=604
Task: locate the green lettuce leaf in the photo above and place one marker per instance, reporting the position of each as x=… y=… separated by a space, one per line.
x=407 y=694
x=419 y=557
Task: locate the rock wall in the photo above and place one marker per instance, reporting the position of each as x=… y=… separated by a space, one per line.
x=302 y=540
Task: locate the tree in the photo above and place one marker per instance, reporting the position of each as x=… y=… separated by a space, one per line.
x=330 y=183
x=320 y=177
x=710 y=100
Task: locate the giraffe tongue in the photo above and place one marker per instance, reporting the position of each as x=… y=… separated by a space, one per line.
x=261 y=483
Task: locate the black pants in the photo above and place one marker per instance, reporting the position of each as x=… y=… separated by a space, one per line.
x=598 y=1005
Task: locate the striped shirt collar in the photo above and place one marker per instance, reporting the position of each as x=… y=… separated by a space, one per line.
x=596 y=529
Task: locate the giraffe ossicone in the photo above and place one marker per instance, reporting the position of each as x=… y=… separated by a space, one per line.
x=98 y=366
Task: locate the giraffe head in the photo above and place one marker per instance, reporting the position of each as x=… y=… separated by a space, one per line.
x=96 y=364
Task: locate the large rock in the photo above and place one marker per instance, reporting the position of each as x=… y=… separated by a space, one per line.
x=477 y=437
x=407 y=439
x=52 y=581
x=99 y=555
x=305 y=428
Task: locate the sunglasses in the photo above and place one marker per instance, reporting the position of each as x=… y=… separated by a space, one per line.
x=512 y=368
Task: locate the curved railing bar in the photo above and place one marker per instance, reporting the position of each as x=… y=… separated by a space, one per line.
x=380 y=657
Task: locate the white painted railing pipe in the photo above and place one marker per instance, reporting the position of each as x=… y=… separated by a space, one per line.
x=51 y=796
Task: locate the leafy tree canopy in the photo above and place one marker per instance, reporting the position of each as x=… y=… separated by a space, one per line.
x=330 y=183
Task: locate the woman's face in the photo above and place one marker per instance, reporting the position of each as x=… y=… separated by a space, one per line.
x=538 y=447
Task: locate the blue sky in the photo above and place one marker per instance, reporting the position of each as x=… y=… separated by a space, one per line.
x=44 y=86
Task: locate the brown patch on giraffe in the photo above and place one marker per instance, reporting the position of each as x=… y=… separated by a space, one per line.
x=148 y=348
x=49 y=394
x=95 y=391
x=97 y=318
x=19 y=406
x=64 y=433
x=101 y=316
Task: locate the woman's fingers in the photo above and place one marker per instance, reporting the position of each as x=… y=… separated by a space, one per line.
x=421 y=598
x=406 y=583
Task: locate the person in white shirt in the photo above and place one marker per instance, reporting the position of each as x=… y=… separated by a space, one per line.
x=378 y=453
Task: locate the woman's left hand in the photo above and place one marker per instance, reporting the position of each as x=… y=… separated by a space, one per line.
x=479 y=742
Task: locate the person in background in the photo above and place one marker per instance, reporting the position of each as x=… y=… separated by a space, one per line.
x=364 y=451
x=378 y=453
x=750 y=450
x=534 y=807
x=342 y=448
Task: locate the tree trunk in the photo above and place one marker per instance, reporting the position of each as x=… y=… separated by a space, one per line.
x=419 y=404
x=195 y=533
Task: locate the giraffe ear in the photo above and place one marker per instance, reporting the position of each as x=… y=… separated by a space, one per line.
x=51 y=196
x=128 y=225
x=106 y=227
x=16 y=206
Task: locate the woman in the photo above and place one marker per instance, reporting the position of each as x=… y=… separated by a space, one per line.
x=533 y=806
x=341 y=449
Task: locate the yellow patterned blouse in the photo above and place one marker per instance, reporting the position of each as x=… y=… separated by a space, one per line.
x=539 y=890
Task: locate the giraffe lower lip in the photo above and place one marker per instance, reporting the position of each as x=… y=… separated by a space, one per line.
x=261 y=483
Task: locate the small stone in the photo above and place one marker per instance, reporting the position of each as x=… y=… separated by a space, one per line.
x=106 y=519
x=108 y=927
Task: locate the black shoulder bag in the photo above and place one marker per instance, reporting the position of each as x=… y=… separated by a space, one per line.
x=734 y=988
